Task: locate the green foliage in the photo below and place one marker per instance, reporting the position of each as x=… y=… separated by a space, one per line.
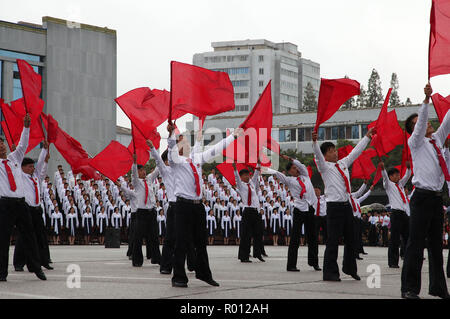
x=394 y=99
x=374 y=91
x=310 y=100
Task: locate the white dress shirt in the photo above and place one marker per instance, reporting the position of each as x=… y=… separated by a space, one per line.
x=323 y=206
x=242 y=189
x=166 y=174
x=139 y=188
x=184 y=177
x=335 y=189
x=38 y=176
x=427 y=171
x=393 y=193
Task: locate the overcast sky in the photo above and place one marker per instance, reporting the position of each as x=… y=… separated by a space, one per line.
x=347 y=37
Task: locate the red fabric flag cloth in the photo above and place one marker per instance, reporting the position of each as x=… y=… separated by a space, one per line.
x=114 y=161
x=441 y=105
x=6 y=133
x=147 y=109
x=439 y=48
x=406 y=154
x=87 y=171
x=199 y=91
x=344 y=151
x=388 y=135
x=334 y=93
x=52 y=129
x=227 y=170
x=310 y=171
x=14 y=120
x=363 y=166
x=31 y=88
x=142 y=149
x=378 y=176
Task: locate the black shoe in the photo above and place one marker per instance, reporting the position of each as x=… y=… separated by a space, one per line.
x=154 y=262
x=130 y=257
x=40 y=274
x=293 y=269
x=191 y=269
x=364 y=253
x=136 y=265
x=210 y=282
x=409 y=295
x=20 y=269
x=165 y=272
x=179 y=284
x=317 y=268
x=2 y=279
x=261 y=259
x=246 y=261
x=337 y=279
x=48 y=267
x=394 y=266
x=359 y=258
x=264 y=255
x=50 y=261
x=444 y=295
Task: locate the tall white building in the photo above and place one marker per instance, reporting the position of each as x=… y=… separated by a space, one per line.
x=251 y=64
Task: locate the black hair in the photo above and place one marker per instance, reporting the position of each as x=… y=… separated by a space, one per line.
x=1 y=139
x=27 y=161
x=289 y=166
x=409 y=124
x=244 y=171
x=164 y=155
x=140 y=166
x=161 y=185
x=326 y=146
x=393 y=171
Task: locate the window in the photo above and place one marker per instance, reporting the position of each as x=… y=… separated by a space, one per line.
x=355 y=132
x=239 y=83
x=341 y=132
x=261 y=83
x=233 y=71
x=287 y=135
x=363 y=129
x=261 y=58
x=241 y=108
x=289 y=85
x=238 y=96
x=321 y=134
x=289 y=73
x=334 y=133
x=301 y=134
x=261 y=71
x=289 y=98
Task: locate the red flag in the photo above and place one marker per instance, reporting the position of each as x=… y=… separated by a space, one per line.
x=441 y=105
x=388 y=135
x=344 y=151
x=14 y=116
x=31 y=88
x=227 y=170
x=142 y=149
x=406 y=154
x=87 y=171
x=52 y=129
x=334 y=93
x=378 y=176
x=310 y=171
x=439 y=48
x=114 y=161
x=6 y=133
x=147 y=109
x=199 y=91
x=363 y=166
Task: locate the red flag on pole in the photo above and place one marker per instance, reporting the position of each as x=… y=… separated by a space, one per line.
x=378 y=176
x=406 y=154
x=200 y=91
x=227 y=170
x=142 y=149
x=334 y=93
x=441 y=105
x=31 y=88
x=87 y=171
x=439 y=47
x=114 y=161
x=7 y=134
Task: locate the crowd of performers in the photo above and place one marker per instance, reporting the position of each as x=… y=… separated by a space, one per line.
x=179 y=207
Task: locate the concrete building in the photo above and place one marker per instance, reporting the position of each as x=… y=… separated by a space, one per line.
x=79 y=76
x=293 y=131
x=123 y=135
x=251 y=64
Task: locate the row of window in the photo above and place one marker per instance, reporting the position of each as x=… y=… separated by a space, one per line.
x=233 y=71
x=241 y=108
x=289 y=61
x=230 y=58
x=239 y=83
x=289 y=73
x=289 y=85
x=288 y=98
x=325 y=133
x=238 y=96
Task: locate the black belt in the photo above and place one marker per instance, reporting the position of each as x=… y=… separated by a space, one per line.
x=339 y=203
x=189 y=201
x=13 y=199
x=145 y=210
x=428 y=192
x=250 y=209
x=172 y=203
x=398 y=211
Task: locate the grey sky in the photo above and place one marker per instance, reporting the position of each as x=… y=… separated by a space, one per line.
x=348 y=37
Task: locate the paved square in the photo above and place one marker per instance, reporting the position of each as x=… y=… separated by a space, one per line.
x=107 y=273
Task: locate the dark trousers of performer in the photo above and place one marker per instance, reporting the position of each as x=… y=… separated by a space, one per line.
x=426 y=222
x=262 y=249
x=321 y=222
x=399 y=228
x=167 y=257
x=13 y=211
x=358 y=236
x=131 y=232
x=373 y=236
x=300 y=219
x=384 y=236
x=250 y=228
x=146 y=227
x=20 y=258
x=190 y=228
x=340 y=223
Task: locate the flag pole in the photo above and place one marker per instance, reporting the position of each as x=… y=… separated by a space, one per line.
x=9 y=132
x=170 y=100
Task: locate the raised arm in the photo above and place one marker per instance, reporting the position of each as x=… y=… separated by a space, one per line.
x=280 y=176
x=405 y=178
x=256 y=175
x=134 y=175
x=443 y=130
x=214 y=151
x=153 y=175
x=19 y=153
x=159 y=162
x=360 y=191
x=359 y=148
x=301 y=167
x=385 y=179
x=364 y=197
x=420 y=129
x=320 y=160
x=42 y=163
x=239 y=183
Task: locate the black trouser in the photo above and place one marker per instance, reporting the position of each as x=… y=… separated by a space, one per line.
x=146 y=227
x=399 y=228
x=426 y=222
x=169 y=244
x=20 y=258
x=360 y=236
x=373 y=236
x=131 y=231
x=321 y=222
x=384 y=234
x=14 y=212
x=300 y=219
x=357 y=236
x=190 y=227
x=340 y=223
x=250 y=228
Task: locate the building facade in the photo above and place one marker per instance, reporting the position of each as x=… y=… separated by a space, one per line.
x=251 y=64
x=79 y=76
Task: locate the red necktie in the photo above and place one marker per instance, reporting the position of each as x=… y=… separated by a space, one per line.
x=249 y=200
x=36 y=192
x=164 y=194
x=302 y=185
x=146 y=191
x=318 y=206
x=442 y=163
x=12 y=182
x=197 y=180
x=401 y=194
x=347 y=185
x=359 y=208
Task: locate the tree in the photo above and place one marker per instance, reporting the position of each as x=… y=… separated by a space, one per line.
x=374 y=92
x=361 y=101
x=395 y=99
x=310 y=100
x=408 y=102
x=350 y=104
